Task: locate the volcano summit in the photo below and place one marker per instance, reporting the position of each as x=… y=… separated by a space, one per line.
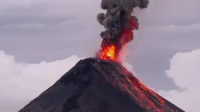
x=95 y=85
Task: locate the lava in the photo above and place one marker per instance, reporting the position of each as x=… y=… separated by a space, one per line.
x=130 y=86
x=142 y=95
x=111 y=50
x=108 y=52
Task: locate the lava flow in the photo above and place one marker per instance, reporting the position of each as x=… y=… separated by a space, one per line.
x=144 y=96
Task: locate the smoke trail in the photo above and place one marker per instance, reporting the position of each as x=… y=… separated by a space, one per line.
x=118 y=21
x=118 y=15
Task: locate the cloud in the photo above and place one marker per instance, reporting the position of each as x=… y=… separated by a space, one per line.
x=48 y=12
x=56 y=11
x=185 y=72
x=170 y=12
x=21 y=82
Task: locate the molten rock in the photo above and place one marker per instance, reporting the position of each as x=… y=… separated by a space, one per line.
x=94 y=85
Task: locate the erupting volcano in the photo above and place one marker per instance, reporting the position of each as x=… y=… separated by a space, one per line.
x=102 y=84
x=96 y=85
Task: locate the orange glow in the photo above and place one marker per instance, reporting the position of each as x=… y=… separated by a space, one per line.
x=108 y=52
x=144 y=96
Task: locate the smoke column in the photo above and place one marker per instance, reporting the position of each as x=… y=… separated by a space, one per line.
x=119 y=24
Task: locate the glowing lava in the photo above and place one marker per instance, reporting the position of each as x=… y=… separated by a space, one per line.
x=138 y=92
x=108 y=52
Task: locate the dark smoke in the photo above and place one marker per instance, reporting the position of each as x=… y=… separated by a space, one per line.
x=118 y=15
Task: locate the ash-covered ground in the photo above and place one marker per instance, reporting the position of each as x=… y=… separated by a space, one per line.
x=94 y=85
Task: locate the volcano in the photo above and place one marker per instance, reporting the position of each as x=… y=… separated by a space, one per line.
x=95 y=85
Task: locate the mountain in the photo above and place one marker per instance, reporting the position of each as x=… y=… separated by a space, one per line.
x=95 y=85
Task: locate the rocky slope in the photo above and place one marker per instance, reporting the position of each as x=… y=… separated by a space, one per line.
x=94 y=85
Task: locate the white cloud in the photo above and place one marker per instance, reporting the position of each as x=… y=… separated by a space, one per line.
x=21 y=82
x=185 y=72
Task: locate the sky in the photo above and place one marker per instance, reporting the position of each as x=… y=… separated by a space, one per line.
x=40 y=40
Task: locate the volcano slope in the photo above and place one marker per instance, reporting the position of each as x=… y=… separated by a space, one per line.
x=94 y=85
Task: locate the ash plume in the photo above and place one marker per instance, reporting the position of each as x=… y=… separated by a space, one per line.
x=117 y=16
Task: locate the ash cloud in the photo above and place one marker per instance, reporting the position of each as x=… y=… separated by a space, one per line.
x=117 y=16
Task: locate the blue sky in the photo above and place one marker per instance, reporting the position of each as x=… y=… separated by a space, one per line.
x=41 y=35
